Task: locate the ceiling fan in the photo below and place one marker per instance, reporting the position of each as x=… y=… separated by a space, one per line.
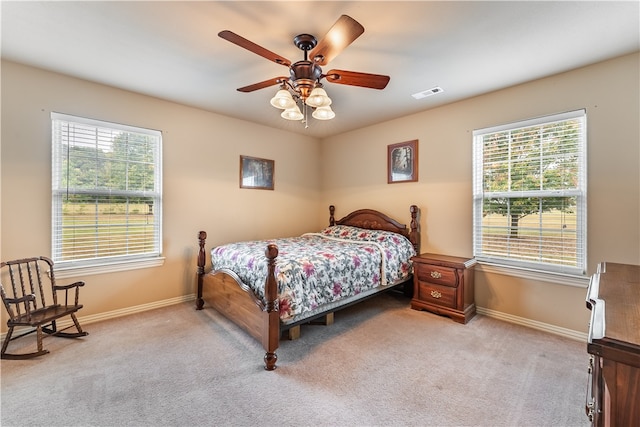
x=303 y=82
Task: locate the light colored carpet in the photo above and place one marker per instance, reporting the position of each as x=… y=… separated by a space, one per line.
x=380 y=363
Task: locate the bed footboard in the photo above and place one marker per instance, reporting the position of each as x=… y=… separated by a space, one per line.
x=226 y=293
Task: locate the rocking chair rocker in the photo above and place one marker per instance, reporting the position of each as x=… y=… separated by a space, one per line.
x=30 y=305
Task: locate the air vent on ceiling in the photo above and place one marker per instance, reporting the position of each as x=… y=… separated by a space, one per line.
x=428 y=92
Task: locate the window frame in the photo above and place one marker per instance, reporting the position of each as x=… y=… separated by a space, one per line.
x=573 y=274
x=102 y=264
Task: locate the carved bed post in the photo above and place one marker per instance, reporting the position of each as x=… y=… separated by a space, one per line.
x=202 y=236
x=332 y=218
x=271 y=333
x=414 y=234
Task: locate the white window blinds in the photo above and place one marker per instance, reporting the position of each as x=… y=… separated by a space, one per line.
x=530 y=193
x=106 y=191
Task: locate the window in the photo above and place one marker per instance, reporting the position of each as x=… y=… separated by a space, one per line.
x=106 y=192
x=529 y=194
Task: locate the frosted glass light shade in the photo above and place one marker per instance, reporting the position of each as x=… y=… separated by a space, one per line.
x=318 y=98
x=283 y=100
x=323 y=113
x=292 y=113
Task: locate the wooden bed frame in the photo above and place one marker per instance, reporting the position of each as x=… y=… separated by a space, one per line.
x=225 y=292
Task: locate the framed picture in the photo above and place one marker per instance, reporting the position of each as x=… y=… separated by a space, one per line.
x=256 y=173
x=402 y=162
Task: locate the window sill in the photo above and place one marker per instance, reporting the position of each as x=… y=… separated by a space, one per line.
x=63 y=272
x=544 y=276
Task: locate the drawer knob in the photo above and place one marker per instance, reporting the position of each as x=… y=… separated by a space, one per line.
x=436 y=294
x=436 y=274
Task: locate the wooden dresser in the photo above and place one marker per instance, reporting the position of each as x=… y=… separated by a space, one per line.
x=443 y=284
x=613 y=395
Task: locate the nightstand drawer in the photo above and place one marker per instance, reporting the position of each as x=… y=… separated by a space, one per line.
x=444 y=296
x=436 y=274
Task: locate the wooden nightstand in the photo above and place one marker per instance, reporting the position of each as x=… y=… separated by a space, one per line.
x=443 y=284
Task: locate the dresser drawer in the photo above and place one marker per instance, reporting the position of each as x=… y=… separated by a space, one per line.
x=436 y=274
x=444 y=296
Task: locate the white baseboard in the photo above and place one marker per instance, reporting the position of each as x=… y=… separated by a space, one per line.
x=85 y=320
x=130 y=310
x=557 y=330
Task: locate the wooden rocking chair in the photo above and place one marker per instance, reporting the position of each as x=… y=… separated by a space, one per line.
x=32 y=302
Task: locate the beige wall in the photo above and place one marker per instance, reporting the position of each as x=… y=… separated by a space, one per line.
x=610 y=93
x=201 y=151
x=200 y=167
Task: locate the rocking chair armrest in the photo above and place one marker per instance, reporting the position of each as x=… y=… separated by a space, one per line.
x=65 y=287
x=30 y=297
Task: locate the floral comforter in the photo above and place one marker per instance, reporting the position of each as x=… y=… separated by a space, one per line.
x=320 y=268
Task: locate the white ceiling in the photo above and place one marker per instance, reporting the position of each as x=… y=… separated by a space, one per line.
x=170 y=49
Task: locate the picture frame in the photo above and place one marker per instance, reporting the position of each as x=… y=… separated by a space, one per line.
x=256 y=173
x=402 y=162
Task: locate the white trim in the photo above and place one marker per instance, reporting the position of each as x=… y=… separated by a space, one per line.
x=63 y=272
x=104 y=124
x=579 y=192
x=538 y=275
x=133 y=310
x=86 y=320
x=58 y=137
x=99 y=317
x=534 y=324
x=550 y=118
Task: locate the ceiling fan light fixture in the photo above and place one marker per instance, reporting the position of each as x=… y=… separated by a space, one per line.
x=318 y=98
x=323 y=113
x=292 y=113
x=283 y=100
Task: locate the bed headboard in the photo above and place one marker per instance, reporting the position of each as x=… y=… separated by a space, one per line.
x=374 y=220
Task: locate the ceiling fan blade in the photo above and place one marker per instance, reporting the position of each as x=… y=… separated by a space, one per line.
x=352 y=78
x=252 y=47
x=342 y=34
x=262 y=85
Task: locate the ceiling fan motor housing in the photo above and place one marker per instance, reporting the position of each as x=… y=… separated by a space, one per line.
x=304 y=75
